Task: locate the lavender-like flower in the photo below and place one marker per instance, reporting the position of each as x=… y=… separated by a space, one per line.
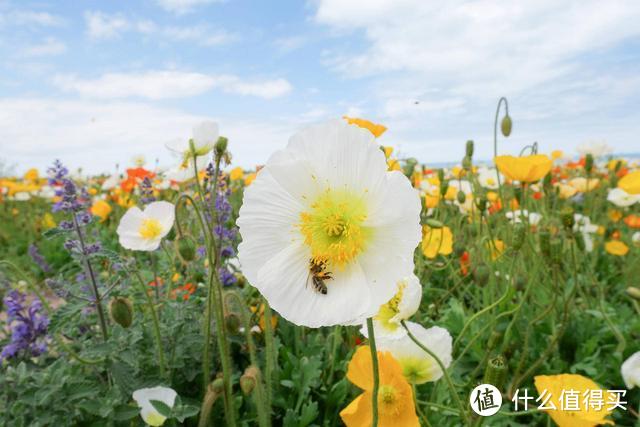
x=28 y=327
x=225 y=232
x=146 y=191
x=38 y=258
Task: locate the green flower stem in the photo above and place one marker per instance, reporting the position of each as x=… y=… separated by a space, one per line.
x=495 y=142
x=156 y=324
x=214 y=306
x=271 y=357
x=376 y=373
x=447 y=378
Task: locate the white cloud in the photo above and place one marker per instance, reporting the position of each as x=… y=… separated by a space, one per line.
x=49 y=47
x=97 y=135
x=183 y=6
x=168 y=84
x=104 y=26
x=30 y=17
x=289 y=44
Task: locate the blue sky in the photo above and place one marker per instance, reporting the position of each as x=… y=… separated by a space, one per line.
x=97 y=82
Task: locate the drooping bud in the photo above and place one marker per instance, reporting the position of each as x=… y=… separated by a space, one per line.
x=519 y=233
x=588 y=163
x=566 y=215
x=217 y=385
x=186 y=247
x=461 y=197
x=221 y=147
x=469 y=149
x=232 y=322
x=495 y=372
x=481 y=274
x=506 y=125
x=121 y=311
x=249 y=379
x=633 y=292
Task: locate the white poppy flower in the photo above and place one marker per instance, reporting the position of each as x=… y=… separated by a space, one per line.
x=143 y=398
x=185 y=171
x=595 y=148
x=417 y=365
x=111 y=182
x=621 y=198
x=403 y=305
x=630 y=371
x=203 y=137
x=143 y=230
x=327 y=203
x=635 y=238
x=22 y=196
x=488 y=178
x=584 y=226
x=517 y=216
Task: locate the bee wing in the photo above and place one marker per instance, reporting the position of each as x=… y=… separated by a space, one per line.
x=309 y=279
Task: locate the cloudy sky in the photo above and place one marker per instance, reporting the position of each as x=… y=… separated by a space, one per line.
x=95 y=82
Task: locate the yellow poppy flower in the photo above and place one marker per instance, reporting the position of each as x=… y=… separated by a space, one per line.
x=557 y=154
x=566 y=191
x=101 y=209
x=584 y=185
x=395 y=397
x=616 y=247
x=31 y=175
x=524 y=169
x=557 y=387
x=630 y=182
x=236 y=174
x=614 y=215
x=374 y=128
x=431 y=201
x=47 y=221
x=436 y=241
x=249 y=179
x=496 y=248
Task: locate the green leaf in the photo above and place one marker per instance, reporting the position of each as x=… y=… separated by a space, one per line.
x=183 y=412
x=125 y=412
x=162 y=408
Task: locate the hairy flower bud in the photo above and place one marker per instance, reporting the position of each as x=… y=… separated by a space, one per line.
x=633 y=293
x=481 y=274
x=519 y=233
x=249 y=379
x=444 y=186
x=506 y=125
x=434 y=223
x=221 y=147
x=232 y=322
x=121 y=311
x=461 y=197
x=566 y=215
x=466 y=163
x=186 y=248
x=469 y=149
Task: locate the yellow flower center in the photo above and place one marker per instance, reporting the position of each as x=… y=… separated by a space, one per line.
x=333 y=227
x=150 y=228
x=388 y=399
x=416 y=370
x=389 y=310
x=155 y=419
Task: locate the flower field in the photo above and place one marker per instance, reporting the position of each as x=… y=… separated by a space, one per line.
x=337 y=284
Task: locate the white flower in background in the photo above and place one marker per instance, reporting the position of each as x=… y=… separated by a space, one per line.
x=488 y=178
x=461 y=185
x=143 y=230
x=47 y=192
x=203 y=139
x=519 y=216
x=635 y=238
x=595 y=148
x=185 y=171
x=630 y=371
x=143 y=398
x=325 y=208
x=21 y=196
x=403 y=305
x=417 y=365
x=139 y=160
x=584 y=226
x=111 y=182
x=621 y=198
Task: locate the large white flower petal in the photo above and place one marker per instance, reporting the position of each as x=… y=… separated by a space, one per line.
x=630 y=371
x=205 y=135
x=148 y=412
x=164 y=212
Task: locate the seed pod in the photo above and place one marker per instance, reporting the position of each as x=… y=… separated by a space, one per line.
x=495 y=372
x=186 y=248
x=519 y=233
x=588 y=163
x=469 y=149
x=221 y=147
x=249 y=379
x=566 y=215
x=506 y=125
x=481 y=274
x=121 y=311
x=544 y=240
x=461 y=197
x=633 y=292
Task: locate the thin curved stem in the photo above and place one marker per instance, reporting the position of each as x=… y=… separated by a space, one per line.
x=376 y=374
